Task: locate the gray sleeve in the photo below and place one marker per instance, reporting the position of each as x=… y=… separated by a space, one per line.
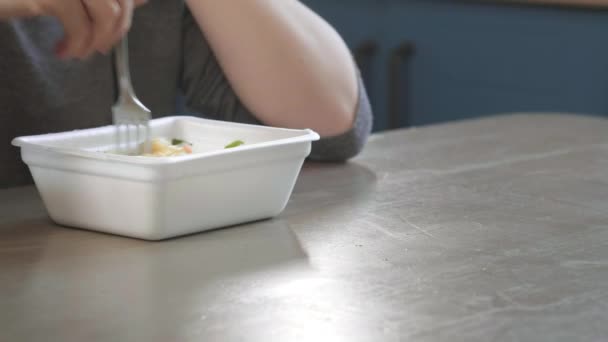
x=208 y=92
x=349 y=144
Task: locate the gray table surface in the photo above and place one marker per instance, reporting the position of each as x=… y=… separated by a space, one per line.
x=493 y=229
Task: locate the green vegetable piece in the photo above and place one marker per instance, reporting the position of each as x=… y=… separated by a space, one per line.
x=234 y=144
x=179 y=142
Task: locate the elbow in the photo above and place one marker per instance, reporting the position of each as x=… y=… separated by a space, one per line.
x=337 y=118
x=349 y=142
x=337 y=100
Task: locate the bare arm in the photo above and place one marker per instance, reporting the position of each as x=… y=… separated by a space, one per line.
x=288 y=66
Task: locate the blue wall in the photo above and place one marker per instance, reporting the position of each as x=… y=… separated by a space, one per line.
x=475 y=59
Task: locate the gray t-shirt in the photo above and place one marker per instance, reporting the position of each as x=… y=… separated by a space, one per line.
x=170 y=60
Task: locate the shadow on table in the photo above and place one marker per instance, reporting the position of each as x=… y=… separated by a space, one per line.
x=35 y=252
x=52 y=275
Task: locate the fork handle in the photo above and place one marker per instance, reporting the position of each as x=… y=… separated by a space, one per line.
x=121 y=60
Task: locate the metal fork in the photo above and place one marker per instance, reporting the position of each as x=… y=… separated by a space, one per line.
x=131 y=118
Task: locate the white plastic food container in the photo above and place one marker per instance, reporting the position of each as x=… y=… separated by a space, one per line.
x=157 y=198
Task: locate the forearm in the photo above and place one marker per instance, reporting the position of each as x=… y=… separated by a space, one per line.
x=288 y=66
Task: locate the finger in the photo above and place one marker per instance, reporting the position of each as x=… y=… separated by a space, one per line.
x=138 y=3
x=76 y=26
x=124 y=23
x=104 y=14
x=127 y=16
